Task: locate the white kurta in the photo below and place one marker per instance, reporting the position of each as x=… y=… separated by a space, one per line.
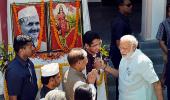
x=136 y=75
x=101 y=90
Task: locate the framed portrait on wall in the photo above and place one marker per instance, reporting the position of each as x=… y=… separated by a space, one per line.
x=65 y=25
x=30 y=19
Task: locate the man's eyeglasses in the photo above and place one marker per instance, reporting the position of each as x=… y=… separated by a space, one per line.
x=128 y=5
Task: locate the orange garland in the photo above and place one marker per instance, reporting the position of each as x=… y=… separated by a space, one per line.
x=16 y=17
x=77 y=21
x=52 y=20
x=56 y=31
x=41 y=25
x=48 y=56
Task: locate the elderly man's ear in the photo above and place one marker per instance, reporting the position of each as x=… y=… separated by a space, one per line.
x=134 y=47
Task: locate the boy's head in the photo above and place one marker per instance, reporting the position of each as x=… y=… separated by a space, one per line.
x=92 y=42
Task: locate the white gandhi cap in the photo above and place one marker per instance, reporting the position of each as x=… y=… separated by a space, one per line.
x=27 y=12
x=50 y=69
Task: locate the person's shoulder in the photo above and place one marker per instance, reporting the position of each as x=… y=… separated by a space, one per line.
x=142 y=57
x=13 y=64
x=117 y=19
x=117 y=22
x=167 y=20
x=13 y=68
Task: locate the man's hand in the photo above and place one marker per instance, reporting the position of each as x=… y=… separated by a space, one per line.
x=158 y=90
x=112 y=71
x=98 y=63
x=12 y=97
x=162 y=83
x=92 y=76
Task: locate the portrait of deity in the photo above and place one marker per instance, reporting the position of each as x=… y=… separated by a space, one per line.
x=66 y=18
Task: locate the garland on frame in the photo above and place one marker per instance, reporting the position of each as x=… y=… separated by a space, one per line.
x=41 y=25
x=14 y=7
x=52 y=21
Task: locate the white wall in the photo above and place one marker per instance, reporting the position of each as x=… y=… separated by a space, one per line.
x=158 y=15
x=153 y=12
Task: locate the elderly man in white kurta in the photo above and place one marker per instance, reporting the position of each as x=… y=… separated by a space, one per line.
x=137 y=78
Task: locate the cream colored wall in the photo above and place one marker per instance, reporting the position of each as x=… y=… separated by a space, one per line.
x=153 y=12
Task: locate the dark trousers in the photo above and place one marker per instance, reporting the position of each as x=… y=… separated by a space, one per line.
x=117 y=91
x=2 y=97
x=168 y=92
x=167 y=72
x=116 y=62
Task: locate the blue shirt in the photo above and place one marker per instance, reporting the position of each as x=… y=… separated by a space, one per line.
x=164 y=31
x=164 y=35
x=21 y=79
x=119 y=26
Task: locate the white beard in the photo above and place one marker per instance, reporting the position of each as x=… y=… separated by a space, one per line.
x=128 y=55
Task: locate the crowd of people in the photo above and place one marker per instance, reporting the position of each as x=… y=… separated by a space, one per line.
x=136 y=74
x=84 y=80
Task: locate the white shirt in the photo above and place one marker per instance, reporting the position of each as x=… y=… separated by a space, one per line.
x=136 y=75
x=101 y=89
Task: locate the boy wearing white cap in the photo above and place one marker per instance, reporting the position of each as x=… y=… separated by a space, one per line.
x=50 y=78
x=29 y=21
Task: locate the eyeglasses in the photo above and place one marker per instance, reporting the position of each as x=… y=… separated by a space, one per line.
x=128 y=5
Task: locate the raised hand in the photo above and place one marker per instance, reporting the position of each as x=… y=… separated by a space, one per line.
x=98 y=63
x=92 y=76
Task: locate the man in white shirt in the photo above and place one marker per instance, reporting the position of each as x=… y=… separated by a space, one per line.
x=137 y=78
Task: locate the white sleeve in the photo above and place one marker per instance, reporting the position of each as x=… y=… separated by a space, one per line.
x=147 y=71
